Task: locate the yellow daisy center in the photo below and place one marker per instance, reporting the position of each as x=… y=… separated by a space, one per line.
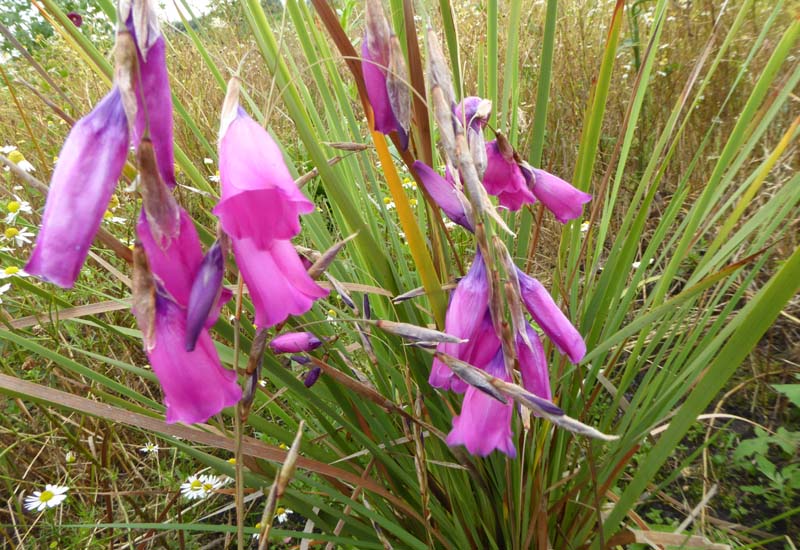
x=13 y=206
x=11 y=270
x=280 y=511
x=114 y=201
x=332 y=313
x=196 y=485
x=46 y=495
x=232 y=460
x=258 y=525
x=11 y=232
x=207 y=486
x=108 y=215
x=16 y=157
x=386 y=200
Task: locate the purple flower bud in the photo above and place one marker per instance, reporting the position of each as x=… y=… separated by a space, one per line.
x=312 y=377
x=205 y=293
x=87 y=170
x=443 y=192
x=485 y=423
x=76 y=18
x=294 y=342
x=474 y=111
x=561 y=198
x=550 y=317
x=300 y=359
x=533 y=365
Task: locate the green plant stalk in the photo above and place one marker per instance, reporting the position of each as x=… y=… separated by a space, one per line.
x=491 y=57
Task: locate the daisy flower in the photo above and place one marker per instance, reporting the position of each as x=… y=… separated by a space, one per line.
x=211 y=483
x=257 y=535
x=282 y=514
x=70 y=457
x=52 y=496
x=12 y=271
x=584 y=227
x=214 y=178
x=19 y=237
x=15 y=208
x=193 y=488
x=19 y=159
x=149 y=448
x=389 y=203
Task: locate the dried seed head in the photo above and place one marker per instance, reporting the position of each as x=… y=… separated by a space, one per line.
x=444 y=121
x=471 y=375
x=416 y=333
x=324 y=260
x=477 y=147
x=144 y=296
x=159 y=205
x=126 y=66
x=438 y=69
x=378 y=32
x=505 y=147
x=396 y=84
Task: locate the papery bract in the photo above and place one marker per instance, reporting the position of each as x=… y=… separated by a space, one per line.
x=294 y=342
x=259 y=199
x=549 y=316
x=443 y=192
x=485 y=423
x=278 y=283
x=86 y=173
x=195 y=384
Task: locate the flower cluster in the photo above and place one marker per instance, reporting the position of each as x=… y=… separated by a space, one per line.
x=178 y=289
x=199 y=487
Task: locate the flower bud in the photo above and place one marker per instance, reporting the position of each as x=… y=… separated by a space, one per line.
x=206 y=290
x=294 y=342
x=312 y=377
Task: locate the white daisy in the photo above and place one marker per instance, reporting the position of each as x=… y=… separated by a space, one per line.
x=12 y=271
x=283 y=514
x=258 y=527
x=149 y=448
x=70 y=457
x=15 y=208
x=193 y=488
x=19 y=237
x=214 y=178
x=6 y=149
x=211 y=483
x=19 y=159
x=584 y=227
x=53 y=495
x=389 y=203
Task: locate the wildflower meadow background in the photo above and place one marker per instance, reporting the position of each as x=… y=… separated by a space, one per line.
x=394 y=274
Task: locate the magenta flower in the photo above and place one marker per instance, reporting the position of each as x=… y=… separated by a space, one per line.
x=533 y=365
x=294 y=342
x=154 y=88
x=377 y=58
x=549 y=316
x=464 y=319
x=259 y=198
x=86 y=173
x=444 y=193
x=485 y=423
x=504 y=177
x=76 y=18
x=562 y=199
x=474 y=111
x=278 y=283
x=195 y=384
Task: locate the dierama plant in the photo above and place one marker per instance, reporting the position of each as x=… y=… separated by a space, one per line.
x=512 y=416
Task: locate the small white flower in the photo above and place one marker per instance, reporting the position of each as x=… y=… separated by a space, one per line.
x=214 y=178
x=149 y=448
x=450 y=224
x=208 y=161
x=12 y=271
x=15 y=208
x=389 y=203
x=635 y=265
x=584 y=227
x=18 y=237
x=193 y=488
x=211 y=483
x=52 y=496
x=70 y=457
x=283 y=514
x=19 y=159
x=258 y=527
x=6 y=149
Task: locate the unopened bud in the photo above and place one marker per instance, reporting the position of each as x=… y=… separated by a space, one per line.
x=397 y=86
x=312 y=376
x=206 y=290
x=294 y=342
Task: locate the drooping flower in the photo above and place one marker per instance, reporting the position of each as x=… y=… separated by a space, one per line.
x=52 y=496
x=87 y=170
x=444 y=193
x=196 y=386
x=533 y=365
x=294 y=342
x=255 y=183
x=485 y=423
x=550 y=318
x=504 y=176
x=205 y=294
x=562 y=199
x=465 y=314
x=278 y=283
x=384 y=70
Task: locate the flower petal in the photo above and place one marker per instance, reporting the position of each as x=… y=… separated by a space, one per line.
x=443 y=192
x=561 y=198
x=87 y=170
x=504 y=178
x=533 y=365
x=195 y=384
x=278 y=283
x=294 y=342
